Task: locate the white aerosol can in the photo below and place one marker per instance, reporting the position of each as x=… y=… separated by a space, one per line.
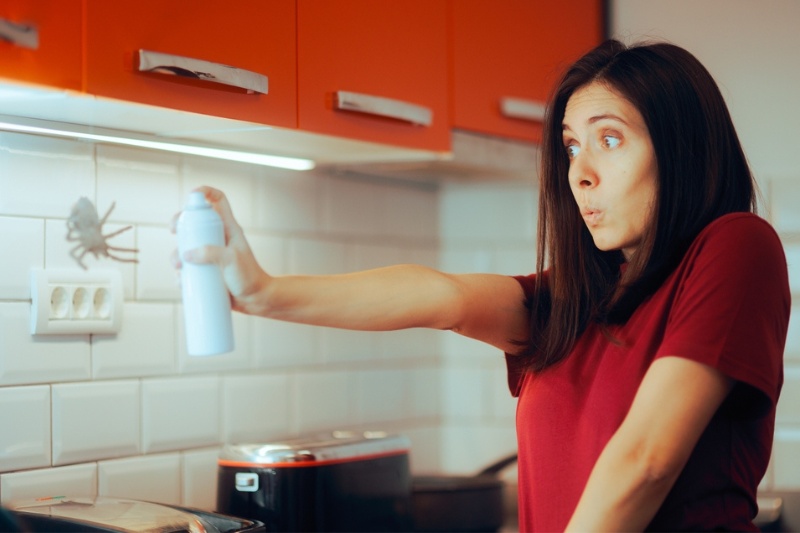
x=206 y=303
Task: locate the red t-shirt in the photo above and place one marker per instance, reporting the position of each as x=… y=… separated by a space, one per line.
x=726 y=305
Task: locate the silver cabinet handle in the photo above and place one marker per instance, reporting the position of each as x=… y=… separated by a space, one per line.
x=169 y=64
x=522 y=108
x=24 y=35
x=383 y=107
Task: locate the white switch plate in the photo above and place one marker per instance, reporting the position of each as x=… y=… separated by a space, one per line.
x=66 y=301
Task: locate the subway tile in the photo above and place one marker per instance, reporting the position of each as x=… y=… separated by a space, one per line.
x=426 y=256
x=144 y=184
x=487 y=212
x=58 y=252
x=270 y=252
x=200 y=479
x=515 y=261
x=255 y=407
x=461 y=348
x=411 y=211
x=792 y=349
x=426 y=392
x=285 y=344
x=792 y=250
x=426 y=450
x=784 y=199
x=789 y=402
x=502 y=405
x=25 y=417
x=95 y=420
x=38 y=358
x=410 y=343
x=236 y=180
x=144 y=346
x=343 y=345
x=154 y=478
x=464 y=393
x=73 y=480
x=473 y=446
x=24 y=239
x=288 y=201
x=786 y=455
x=323 y=401
x=47 y=175
x=467 y=259
x=179 y=413
x=312 y=256
x=156 y=279
x=240 y=358
x=382 y=396
x=352 y=207
x=368 y=256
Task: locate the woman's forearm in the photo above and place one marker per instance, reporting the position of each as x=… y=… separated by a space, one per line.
x=486 y=307
x=623 y=493
x=387 y=298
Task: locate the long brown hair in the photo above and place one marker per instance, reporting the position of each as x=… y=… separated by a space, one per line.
x=702 y=175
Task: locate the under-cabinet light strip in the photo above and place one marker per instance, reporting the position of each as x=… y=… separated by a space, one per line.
x=291 y=163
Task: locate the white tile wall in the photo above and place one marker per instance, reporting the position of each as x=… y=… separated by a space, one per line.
x=144 y=347
x=28 y=359
x=74 y=480
x=18 y=234
x=256 y=407
x=786 y=474
x=46 y=175
x=25 y=417
x=180 y=413
x=199 y=487
x=155 y=478
x=95 y=421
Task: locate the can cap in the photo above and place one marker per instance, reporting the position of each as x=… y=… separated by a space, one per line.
x=197 y=200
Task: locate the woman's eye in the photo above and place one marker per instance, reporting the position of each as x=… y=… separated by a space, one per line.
x=609 y=141
x=572 y=150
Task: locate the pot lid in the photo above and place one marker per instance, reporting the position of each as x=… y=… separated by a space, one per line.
x=115 y=513
x=338 y=446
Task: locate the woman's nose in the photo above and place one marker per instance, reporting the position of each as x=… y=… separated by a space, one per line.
x=582 y=174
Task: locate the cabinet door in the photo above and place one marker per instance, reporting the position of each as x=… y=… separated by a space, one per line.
x=508 y=52
x=209 y=43
x=40 y=42
x=374 y=71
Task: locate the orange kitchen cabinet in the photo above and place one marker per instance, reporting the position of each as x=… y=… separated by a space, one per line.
x=511 y=52
x=40 y=42
x=374 y=71
x=214 y=41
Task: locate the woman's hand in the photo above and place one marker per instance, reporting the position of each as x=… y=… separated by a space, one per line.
x=245 y=279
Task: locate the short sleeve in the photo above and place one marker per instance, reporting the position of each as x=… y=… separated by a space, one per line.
x=515 y=364
x=732 y=303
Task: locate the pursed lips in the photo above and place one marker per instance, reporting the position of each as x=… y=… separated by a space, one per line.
x=591 y=216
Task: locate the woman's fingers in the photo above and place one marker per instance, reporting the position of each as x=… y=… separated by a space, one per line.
x=205 y=255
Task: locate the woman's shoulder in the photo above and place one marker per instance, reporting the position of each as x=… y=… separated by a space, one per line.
x=743 y=241
x=743 y=230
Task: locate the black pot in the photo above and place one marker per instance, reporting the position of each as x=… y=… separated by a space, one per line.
x=460 y=503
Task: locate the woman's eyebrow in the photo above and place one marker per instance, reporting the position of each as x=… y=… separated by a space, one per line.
x=596 y=118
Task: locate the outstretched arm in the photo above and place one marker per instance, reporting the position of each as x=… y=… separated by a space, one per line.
x=486 y=307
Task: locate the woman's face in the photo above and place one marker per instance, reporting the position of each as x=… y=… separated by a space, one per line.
x=613 y=171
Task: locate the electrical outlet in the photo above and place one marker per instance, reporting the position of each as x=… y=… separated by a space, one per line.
x=72 y=301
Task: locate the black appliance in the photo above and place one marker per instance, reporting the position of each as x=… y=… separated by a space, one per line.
x=344 y=481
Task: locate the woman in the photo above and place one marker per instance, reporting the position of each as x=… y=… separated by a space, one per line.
x=647 y=349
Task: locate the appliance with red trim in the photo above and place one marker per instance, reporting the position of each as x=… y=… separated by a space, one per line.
x=344 y=481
